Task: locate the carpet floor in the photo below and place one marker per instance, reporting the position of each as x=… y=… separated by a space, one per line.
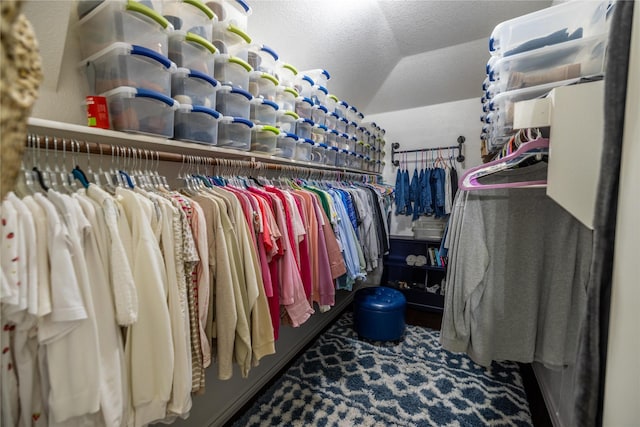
x=343 y=381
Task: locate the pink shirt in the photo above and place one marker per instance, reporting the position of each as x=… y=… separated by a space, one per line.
x=293 y=296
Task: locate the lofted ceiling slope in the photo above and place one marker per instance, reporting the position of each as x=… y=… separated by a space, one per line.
x=387 y=55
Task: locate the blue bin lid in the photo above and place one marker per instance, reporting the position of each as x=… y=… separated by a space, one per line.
x=380 y=298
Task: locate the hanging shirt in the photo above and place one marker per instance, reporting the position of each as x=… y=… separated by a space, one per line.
x=122 y=284
x=293 y=296
x=113 y=396
x=327 y=248
x=415 y=195
x=399 y=193
x=79 y=394
x=274 y=252
x=514 y=298
x=303 y=249
x=151 y=377
x=407 y=192
x=180 y=401
x=18 y=335
x=192 y=259
x=427 y=196
x=199 y=228
x=222 y=322
x=448 y=195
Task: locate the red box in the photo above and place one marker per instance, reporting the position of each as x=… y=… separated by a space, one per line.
x=97 y=113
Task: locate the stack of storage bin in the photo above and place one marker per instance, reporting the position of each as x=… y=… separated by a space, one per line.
x=194 y=86
x=125 y=46
x=187 y=69
x=534 y=53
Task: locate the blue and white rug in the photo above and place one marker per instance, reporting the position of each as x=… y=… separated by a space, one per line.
x=342 y=381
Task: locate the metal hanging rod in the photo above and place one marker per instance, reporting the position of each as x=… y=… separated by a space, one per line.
x=460 y=158
x=77 y=147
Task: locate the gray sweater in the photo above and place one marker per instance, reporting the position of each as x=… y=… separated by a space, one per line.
x=519 y=266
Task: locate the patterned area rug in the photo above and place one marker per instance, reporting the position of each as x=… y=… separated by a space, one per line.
x=343 y=381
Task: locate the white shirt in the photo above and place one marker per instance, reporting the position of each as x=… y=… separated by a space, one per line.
x=122 y=284
x=111 y=356
x=78 y=351
x=148 y=349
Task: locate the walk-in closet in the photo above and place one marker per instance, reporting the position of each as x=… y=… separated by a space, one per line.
x=300 y=213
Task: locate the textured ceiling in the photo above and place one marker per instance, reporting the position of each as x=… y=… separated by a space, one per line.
x=387 y=55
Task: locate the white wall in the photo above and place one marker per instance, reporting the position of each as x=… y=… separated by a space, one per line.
x=622 y=384
x=430 y=126
x=62 y=92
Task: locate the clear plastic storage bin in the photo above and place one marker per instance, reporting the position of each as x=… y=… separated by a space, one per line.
x=122 y=64
x=319 y=75
x=379 y=166
x=235 y=132
x=141 y=111
x=287 y=74
x=286 y=98
x=195 y=123
x=232 y=71
x=501 y=107
x=577 y=58
x=351 y=129
x=303 y=150
x=341 y=125
x=342 y=141
x=332 y=120
x=331 y=103
x=332 y=138
x=234 y=102
x=546 y=27
x=286 y=121
x=368 y=150
x=353 y=142
x=318 y=153
x=286 y=145
x=191 y=16
x=123 y=21
x=341 y=158
x=304 y=107
x=341 y=109
x=359 y=118
x=189 y=50
x=319 y=95
x=263 y=112
x=263 y=85
x=367 y=166
x=352 y=114
x=304 y=86
x=352 y=160
x=263 y=58
x=234 y=12
x=319 y=134
x=194 y=87
x=304 y=127
x=264 y=138
x=231 y=39
x=319 y=114
x=331 y=154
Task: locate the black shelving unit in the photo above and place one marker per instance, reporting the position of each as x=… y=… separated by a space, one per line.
x=415 y=281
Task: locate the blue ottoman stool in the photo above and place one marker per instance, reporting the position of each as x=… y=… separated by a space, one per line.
x=378 y=313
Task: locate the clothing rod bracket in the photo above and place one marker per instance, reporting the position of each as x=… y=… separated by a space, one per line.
x=459 y=158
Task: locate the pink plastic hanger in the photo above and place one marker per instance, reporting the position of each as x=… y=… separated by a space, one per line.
x=469 y=180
